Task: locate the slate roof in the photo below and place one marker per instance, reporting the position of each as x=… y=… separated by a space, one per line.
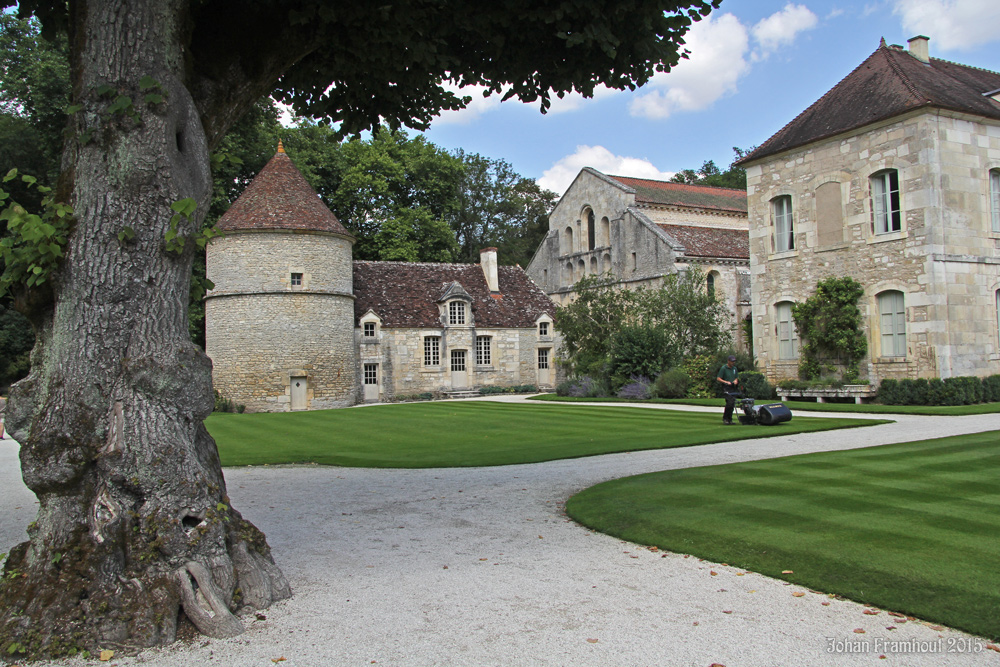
x=279 y=197
x=682 y=194
x=406 y=294
x=710 y=241
x=889 y=83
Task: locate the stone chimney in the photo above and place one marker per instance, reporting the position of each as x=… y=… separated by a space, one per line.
x=918 y=48
x=488 y=260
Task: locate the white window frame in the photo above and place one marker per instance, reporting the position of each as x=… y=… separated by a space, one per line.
x=787 y=334
x=887 y=216
x=784 y=224
x=543 y=358
x=459 y=360
x=995 y=200
x=456 y=313
x=543 y=329
x=432 y=350
x=892 y=323
x=484 y=350
x=370 y=374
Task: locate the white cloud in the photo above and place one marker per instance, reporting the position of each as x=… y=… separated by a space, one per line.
x=951 y=24
x=718 y=46
x=562 y=173
x=476 y=108
x=781 y=28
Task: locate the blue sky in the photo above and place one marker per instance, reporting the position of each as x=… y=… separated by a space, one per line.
x=754 y=66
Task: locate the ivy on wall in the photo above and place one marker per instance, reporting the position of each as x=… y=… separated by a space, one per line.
x=829 y=327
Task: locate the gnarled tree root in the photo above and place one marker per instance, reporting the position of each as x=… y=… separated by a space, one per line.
x=205 y=606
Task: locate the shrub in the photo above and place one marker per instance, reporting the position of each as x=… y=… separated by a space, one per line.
x=223 y=404
x=672 y=383
x=584 y=387
x=641 y=350
x=638 y=387
x=491 y=390
x=829 y=327
x=991 y=388
x=524 y=389
x=755 y=385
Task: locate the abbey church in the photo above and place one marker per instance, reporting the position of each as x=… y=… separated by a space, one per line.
x=293 y=323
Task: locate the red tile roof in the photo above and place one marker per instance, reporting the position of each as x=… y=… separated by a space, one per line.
x=710 y=241
x=682 y=194
x=279 y=197
x=889 y=83
x=406 y=294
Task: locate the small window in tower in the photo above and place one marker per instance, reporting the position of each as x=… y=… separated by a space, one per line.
x=296 y=280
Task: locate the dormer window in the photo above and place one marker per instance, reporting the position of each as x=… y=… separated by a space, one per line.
x=456 y=312
x=369 y=329
x=296 y=280
x=543 y=328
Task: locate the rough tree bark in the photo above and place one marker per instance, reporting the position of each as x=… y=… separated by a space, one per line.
x=134 y=523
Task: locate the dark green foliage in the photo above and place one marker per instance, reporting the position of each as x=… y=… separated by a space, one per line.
x=638 y=388
x=16 y=340
x=672 y=383
x=905 y=527
x=710 y=174
x=829 y=328
x=964 y=390
x=755 y=385
x=991 y=388
x=638 y=350
x=223 y=404
x=660 y=326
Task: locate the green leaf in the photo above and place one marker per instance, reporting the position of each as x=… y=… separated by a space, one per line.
x=11 y=175
x=185 y=206
x=106 y=90
x=153 y=98
x=147 y=82
x=73 y=108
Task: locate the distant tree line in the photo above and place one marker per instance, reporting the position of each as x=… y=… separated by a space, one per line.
x=710 y=174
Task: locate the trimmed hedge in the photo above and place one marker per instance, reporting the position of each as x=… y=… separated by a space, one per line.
x=935 y=391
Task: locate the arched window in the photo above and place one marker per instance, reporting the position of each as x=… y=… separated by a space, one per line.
x=568 y=274
x=886 y=216
x=995 y=199
x=781 y=220
x=788 y=337
x=710 y=282
x=605 y=238
x=567 y=241
x=892 y=323
x=581 y=269
x=591 y=229
x=593 y=266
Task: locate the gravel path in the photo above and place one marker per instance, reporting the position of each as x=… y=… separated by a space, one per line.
x=480 y=566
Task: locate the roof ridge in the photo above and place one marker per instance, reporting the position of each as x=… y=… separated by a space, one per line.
x=402 y=262
x=952 y=62
x=679 y=184
x=901 y=74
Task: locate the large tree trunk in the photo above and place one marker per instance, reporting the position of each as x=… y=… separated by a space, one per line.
x=134 y=524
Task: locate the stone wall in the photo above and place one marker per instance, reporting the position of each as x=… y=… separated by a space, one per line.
x=400 y=355
x=944 y=259
x=262 y=331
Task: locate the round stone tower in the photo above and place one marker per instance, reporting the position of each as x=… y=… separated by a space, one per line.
x=279 y=323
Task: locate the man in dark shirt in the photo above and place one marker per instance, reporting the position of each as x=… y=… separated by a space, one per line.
x=730 y=380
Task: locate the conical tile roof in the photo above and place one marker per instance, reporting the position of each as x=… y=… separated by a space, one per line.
x=279 y=197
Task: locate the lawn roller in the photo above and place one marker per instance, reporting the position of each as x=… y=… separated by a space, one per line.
x=765 y=415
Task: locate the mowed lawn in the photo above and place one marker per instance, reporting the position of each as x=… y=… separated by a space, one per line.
x=912 y=527
x=473 y=433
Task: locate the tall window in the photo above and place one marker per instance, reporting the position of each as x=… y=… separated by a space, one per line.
x=710 y=284
x=567 y=241
x=784 y=234
x=456 y=312
x=543 y=358
x=484 y=356
x=885 y=202
x=892 y=324
x=432 y=350
x=995 y=198
x=591 y=229
x=788 y=337
x=371 y=373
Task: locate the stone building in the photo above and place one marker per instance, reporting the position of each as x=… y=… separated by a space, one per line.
x=641 y=230
x=293 y=323
x=892 y=178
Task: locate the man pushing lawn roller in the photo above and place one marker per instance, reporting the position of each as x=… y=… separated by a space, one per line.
x=772 y=413
x=729 y=377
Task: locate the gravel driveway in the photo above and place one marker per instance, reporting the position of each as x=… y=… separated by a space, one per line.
x=480 y=566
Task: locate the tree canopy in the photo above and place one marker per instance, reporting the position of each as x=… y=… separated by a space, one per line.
x=710 y=174
x=135 y=530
